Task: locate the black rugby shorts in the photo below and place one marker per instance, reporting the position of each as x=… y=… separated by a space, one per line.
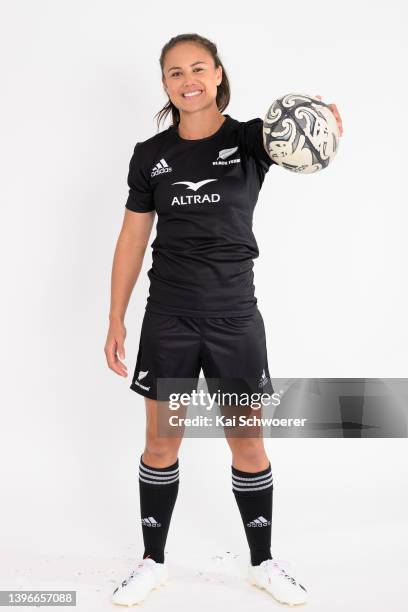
x=231 y=351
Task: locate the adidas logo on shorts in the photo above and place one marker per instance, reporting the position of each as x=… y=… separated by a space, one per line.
x=160 y=168
x=150 y=521
x=264 y=379
x=259 y=522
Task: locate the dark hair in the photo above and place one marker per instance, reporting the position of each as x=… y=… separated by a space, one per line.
x=223 y=90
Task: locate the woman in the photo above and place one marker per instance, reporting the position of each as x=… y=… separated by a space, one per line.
x=202 y=176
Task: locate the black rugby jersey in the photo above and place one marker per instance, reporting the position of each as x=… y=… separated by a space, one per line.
x=204 y=192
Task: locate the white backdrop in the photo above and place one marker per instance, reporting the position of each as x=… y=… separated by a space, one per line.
x=80 y=85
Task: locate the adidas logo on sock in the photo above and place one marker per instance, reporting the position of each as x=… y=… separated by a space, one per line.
x=150 y=521
x=259 y=522
x=160 y=168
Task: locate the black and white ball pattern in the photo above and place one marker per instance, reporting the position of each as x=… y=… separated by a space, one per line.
x=301 y=133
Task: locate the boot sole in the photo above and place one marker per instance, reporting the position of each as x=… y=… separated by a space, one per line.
x=138 y=603
x=283 y=603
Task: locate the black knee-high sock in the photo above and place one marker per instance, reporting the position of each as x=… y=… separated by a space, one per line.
x=253 y=493
x=158 y=489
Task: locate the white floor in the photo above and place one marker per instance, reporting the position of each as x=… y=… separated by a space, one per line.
x=361 y=571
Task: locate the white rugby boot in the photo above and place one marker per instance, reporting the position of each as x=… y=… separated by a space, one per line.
x=271 y=576
x=146 y=576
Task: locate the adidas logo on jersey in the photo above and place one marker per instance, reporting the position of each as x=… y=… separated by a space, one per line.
x=259 y=522
x=222 y=156
x=264 y=379
x=160 y=168
x=150 y=521
x=139 y=377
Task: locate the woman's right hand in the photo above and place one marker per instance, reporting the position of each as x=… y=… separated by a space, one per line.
x=115 y=347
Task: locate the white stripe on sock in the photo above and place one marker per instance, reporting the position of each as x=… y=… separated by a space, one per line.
x=249 y=484
x=156 y=482
x=251 y=488
x=145 y=469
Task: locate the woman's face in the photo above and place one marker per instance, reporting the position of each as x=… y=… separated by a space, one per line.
x=189 y=68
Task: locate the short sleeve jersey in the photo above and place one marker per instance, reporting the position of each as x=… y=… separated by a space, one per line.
x=204 y=192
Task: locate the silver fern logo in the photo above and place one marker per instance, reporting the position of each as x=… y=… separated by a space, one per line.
x=142 y=374
x=224 y=154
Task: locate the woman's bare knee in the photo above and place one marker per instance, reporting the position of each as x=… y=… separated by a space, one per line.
x=160 y=450
x=248 y=454
x=250 y=448
x=159 y=456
